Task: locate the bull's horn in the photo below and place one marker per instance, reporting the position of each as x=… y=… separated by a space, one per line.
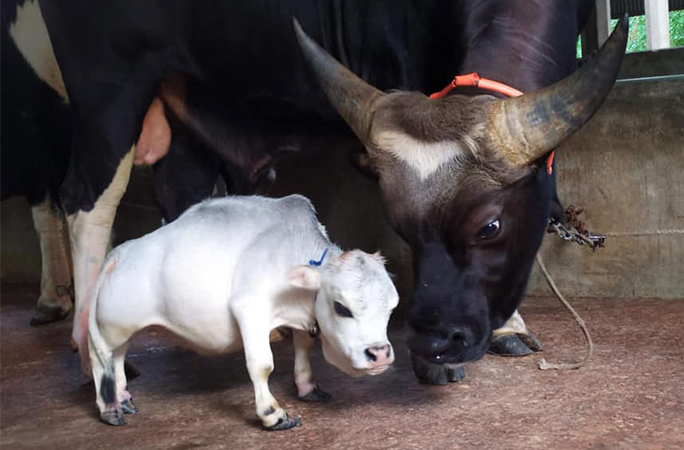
x=352 y=97
x=526 y=128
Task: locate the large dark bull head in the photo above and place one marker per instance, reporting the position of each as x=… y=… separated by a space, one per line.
x=460 y=183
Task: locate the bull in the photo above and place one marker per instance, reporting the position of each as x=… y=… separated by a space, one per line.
x=459 y=177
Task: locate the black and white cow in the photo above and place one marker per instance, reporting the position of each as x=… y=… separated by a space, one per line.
x=36 y=143
x=470 y=201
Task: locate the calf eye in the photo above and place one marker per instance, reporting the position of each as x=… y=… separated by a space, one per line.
x=342 y=310
x=490 y=230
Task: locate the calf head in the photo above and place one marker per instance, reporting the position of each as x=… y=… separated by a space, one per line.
x=355 y=298
x=461 y=182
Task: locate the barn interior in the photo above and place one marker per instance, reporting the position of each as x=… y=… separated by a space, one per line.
x=624 y=168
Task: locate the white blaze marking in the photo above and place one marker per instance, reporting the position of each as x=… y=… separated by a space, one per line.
x=31 y=36
x=424 y=158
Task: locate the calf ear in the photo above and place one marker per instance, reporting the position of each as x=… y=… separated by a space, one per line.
x=304 y=277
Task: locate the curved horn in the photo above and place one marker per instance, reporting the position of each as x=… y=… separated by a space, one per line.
x=352 y=97
x=526 y=128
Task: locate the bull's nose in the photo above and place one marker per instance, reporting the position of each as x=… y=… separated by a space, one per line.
x=441 y=346
x=379 y=356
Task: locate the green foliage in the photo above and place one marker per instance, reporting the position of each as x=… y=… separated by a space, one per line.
x=637 y=32
x=677 y=28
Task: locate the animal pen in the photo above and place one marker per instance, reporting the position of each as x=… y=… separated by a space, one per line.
x=620 y=177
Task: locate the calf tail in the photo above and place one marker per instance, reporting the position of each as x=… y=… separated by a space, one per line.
x=93 y=336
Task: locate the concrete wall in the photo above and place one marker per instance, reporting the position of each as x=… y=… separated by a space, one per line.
x=626 y=167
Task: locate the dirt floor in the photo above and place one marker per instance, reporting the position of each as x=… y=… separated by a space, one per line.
x=631 y=396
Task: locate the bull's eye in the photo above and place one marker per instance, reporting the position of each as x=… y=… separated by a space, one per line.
x=490 y=230
x=342 y=310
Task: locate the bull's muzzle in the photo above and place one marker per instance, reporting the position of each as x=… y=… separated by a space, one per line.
x=447 y=345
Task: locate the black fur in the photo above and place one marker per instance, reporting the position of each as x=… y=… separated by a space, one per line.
x=108 y=389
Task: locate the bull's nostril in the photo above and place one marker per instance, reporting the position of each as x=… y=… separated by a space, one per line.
x=370 y=355
x=460 y=337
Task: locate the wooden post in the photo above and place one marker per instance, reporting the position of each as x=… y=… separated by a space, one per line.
x=657 y=24
x=597 y=29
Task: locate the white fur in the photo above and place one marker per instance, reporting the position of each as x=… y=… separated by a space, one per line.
x=424 y=158
x=31 y=37
x=514 y=325
x=230 y=270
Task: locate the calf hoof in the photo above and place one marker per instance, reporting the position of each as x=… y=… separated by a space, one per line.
x=514 y=345
x=114 y=418
x=285 y=423
x=48 y=314
x=317 y=395
x=130 y=370
x=127 y=407
x=436 y=374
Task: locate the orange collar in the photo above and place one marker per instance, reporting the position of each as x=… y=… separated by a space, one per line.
x=473 y=79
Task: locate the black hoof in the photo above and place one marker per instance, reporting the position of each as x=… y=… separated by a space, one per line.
x=130 y=370
x=437 y=374
x=531 y=341
x=114 y=418
x=48 y=314
x=127 y=407
x=285 y=424
x=317 y=395
x=514 y=345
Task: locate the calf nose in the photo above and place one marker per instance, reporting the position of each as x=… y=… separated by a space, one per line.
x=379 y=356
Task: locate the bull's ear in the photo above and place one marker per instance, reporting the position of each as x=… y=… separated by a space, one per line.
x=304 y=277
x=361 y=160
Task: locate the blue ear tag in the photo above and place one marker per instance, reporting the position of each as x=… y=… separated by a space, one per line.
x=313 y=262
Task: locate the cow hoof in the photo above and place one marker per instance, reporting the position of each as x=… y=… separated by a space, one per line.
x=285 y=423
x=48 y=314
x=436 y=374
x=514 y=345
x=127 y=407
x=114 y=418
x=317 y=395
x=130 y=370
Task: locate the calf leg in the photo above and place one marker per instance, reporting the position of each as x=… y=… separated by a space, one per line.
x=104 y=376
x=55 y=301
x=90 y=233
x=255 y=337
x=514 y=338
x=122 y=395
x=307 y=390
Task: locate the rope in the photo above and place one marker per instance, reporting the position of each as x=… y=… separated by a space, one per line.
x=543 y=365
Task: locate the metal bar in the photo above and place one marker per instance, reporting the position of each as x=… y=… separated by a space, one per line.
x=650 y=79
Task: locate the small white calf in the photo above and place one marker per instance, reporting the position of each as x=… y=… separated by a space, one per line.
x=224 y=275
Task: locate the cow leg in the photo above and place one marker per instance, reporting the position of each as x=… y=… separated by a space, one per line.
x=90 y=233
x=307 y=390
x=255 y=336
x=55 y=301
x=514 y=338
